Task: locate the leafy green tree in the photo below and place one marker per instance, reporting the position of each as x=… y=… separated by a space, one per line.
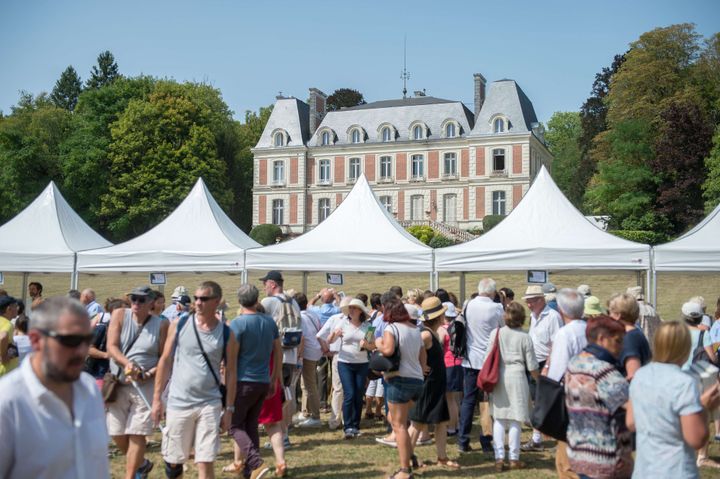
x=160 y=146
x=105 y=72
x=67 y=89
x=344 y=97
x=655 y=72
x=705 y=77
x=711 y=187
x=623 y=186
x=422 y=232
x=85 y=153
x=562 y=136
x=266 y=234
x=30 y=139
x=684 y=140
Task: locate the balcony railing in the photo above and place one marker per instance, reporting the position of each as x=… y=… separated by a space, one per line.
x=416 y=178
x=277 y=183
x=498 y=173
x=385 y=179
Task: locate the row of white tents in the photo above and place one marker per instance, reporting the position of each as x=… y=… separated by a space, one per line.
x=544 y=232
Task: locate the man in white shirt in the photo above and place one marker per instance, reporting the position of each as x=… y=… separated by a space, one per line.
x=544 y=323
x=312 y=352
x=483 y=315
x=569 y=341
x=52 y=418
x=332 y=350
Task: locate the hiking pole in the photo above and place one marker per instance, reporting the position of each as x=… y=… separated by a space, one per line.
x=142 y=395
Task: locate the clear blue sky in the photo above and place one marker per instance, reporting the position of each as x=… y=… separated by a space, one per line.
x=251 y=50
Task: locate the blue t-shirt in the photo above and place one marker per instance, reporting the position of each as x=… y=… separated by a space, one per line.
x=635 y=345
x=715 y=333
x=255 y=334
x=694 y=340
x=660 y=394
x=325 y=311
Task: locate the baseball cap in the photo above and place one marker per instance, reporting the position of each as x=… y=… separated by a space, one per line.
x=179 y=291
x=184 y=300
x=692 y=310
x=143 y=291
x=272 y=275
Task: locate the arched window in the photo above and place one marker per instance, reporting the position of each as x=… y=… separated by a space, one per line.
x=355 y=136
x=325 y=139
x=279 y=139
x=386 y=134
x=499 y=125
x=418 y=132
x=450 y=130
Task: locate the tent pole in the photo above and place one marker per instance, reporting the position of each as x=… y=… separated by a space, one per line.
x=243 y=271
x=304 y=282
x=652 y=280
x=25 y=277
x=74 y=276
x=462 y=287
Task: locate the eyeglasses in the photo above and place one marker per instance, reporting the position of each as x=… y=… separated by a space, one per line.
x=138 y=299
x=204 y=299
x=68 y=340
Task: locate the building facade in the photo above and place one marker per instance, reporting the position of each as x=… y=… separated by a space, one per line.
x=427 y=159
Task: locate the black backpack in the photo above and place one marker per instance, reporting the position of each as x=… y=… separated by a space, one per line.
x=458 y=335
x=699 y=354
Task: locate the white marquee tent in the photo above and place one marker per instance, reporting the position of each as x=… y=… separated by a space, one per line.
x=46 y=236
x=696 y=250
x=197 y=236
x=360 y=235
x=545 y=231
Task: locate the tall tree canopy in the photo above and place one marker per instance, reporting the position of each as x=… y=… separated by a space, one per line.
x=67 y=89
x=344 y=97
x=105 y=72
x=562 y=136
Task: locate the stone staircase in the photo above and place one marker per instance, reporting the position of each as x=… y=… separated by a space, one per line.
x=453 y=232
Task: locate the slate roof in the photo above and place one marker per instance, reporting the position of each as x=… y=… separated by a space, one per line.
x=506 y=98
x=400 y=114
x=291 y=115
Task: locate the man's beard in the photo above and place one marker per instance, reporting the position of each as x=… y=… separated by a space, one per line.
x=54 y=373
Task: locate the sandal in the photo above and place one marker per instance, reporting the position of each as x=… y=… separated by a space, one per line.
x=234 y=467
x=446 y=462
x=416 y=463
x=406 y=474
x=281 y=470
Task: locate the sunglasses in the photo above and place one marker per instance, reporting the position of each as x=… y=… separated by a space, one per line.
x=204 y=299
x=68 y=340
x=138 y=299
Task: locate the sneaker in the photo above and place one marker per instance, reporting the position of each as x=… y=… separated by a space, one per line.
x=333 y=424
x=144 y=470
x=310 y=422
x=532 y=446
x=349 y=434
x=385 y=442
x=267 y=445
x=260 y=471
x=425 y=442
x=707 y=462
x=465 y=449
x=356 y=432
x=286 y=443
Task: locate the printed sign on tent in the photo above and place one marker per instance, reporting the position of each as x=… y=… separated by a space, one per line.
x=334 y=278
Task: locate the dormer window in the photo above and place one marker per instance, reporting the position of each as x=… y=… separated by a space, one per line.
x=387 y=134
x=499 y=125
x=355 y=136
x=418 y=133
x=325 y=138
x=279 y=139
x=450 y=130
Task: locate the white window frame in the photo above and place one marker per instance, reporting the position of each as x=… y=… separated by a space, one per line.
x=325 y=138
x=497 y=152
x=278 y=211
x=389 y=176
x=386 y=202
x=387 y=134
x=499 y=125
x=278 y=165
x=499 y=202
x=454 y=172
x=418 y=133
x=445 y=198
x=328 y=180
x=413 y=200
x=279 y=139
x=354 y=175
x=355 y=136
x=417 y=174
x=324 y=209
x=450 y=126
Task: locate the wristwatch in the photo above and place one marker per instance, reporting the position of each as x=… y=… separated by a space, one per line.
x=230 y=409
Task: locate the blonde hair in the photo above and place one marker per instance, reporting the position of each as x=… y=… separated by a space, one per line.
x=413 y=295
x=626 y=306
x=671 y=343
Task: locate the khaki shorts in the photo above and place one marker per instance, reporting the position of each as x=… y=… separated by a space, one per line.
x=196 y=427
x=128 y=414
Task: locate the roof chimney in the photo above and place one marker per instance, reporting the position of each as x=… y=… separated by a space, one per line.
x=318 y=108
x=480 y=83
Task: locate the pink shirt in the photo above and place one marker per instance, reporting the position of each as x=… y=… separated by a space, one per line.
x=450 y=359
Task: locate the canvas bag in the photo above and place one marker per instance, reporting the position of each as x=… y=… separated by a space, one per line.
x=549 y=414
x=288 y=323
x=490 y=373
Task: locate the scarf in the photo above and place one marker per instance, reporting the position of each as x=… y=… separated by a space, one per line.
x=601 y=353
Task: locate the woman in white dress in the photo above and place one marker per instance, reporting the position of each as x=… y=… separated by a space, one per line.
x=510 y=399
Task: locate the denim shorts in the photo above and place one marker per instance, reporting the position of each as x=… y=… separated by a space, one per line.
x=454 y=377
x=400 y=390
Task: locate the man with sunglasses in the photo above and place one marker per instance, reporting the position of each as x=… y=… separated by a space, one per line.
x=51 y=413
x=196 y=346
x=135 y=341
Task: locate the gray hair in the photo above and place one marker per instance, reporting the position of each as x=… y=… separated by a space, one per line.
x=248 y=295
x=487 y=287
x=571 y=303
x=46 y=314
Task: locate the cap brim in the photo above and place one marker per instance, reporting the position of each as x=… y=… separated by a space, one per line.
x=539 y=295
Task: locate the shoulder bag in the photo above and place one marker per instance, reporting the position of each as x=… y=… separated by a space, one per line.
x=549 y=414
x=490 y=373
x=111 y=380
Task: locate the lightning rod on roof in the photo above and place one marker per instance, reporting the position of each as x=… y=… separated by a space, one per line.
x=405 y=75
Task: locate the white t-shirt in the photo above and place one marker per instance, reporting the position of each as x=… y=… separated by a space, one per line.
x=410 y=344
x=483 y=317
x=569 y=341
x=350 y=351
x=331 y=325
x=542 y=330
x=311 y=326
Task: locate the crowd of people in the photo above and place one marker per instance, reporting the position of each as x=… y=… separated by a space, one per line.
x=639 y=392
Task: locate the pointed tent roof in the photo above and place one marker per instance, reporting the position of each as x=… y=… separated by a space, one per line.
x=197 y=236
x=45 y=236
x=544 y=231
x=696 y=250
x=360 y=235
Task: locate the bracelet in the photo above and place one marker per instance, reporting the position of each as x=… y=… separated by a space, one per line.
x=230 y=408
